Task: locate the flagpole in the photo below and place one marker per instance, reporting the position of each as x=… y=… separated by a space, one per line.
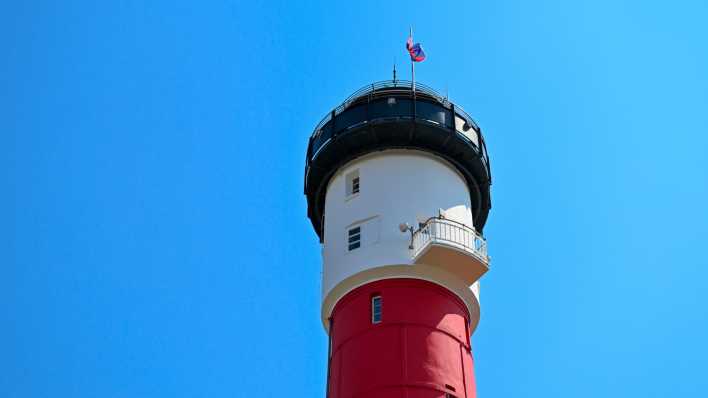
x=412 y=65
x=413 y=74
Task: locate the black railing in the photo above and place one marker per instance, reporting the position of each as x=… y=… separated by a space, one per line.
x=388 y=87
x=399 y=89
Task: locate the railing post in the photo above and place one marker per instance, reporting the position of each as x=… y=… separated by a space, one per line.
x=334 y=130
x=452 y=112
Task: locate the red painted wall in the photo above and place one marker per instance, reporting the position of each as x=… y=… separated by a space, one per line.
x=420 y=346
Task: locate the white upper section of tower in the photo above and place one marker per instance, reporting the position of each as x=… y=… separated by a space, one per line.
x=367 y=200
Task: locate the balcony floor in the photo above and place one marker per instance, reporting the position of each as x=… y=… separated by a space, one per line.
x=456 y=261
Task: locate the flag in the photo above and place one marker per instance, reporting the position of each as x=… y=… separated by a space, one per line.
x=415 y=50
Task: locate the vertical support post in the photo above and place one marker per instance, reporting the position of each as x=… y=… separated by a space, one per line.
x=413 y=77
x=332 y=116
x=412 y=65
x=452 y=119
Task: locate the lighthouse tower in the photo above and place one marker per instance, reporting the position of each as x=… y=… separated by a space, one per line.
x=397 y=183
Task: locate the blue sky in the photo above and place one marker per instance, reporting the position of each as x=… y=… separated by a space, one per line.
x=153 y=231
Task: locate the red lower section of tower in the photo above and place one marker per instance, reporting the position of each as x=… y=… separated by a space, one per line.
x=420 y=349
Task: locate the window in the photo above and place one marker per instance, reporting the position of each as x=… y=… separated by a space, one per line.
x=376 y=309
x=352 y=183
x=354 y=238
x=361 y=234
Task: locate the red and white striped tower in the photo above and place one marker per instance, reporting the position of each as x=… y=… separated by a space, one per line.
x=397 y=186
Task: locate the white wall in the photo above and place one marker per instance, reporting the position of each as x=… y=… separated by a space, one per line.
x=396 y=186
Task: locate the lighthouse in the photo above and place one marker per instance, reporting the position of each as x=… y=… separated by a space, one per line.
x=397 y=180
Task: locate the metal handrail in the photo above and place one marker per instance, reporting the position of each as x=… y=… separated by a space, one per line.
x=451 y=233
x=405 y=86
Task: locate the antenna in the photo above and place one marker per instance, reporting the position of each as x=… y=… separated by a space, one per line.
x=394 y=69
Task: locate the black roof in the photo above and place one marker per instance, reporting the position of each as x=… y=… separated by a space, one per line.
x=387 y=115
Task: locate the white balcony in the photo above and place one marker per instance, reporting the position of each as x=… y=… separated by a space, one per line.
x=451 y=246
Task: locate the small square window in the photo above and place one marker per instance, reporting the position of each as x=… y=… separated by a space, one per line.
x=376 y=309
x=354 y=238
x=352 y=183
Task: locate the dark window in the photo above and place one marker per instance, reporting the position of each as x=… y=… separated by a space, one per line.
x=352 y=184
x=376 y=309
x=354 y=238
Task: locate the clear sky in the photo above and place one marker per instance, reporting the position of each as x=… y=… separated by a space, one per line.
x=153 y=230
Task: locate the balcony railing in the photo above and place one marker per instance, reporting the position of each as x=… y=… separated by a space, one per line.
x=397 y=88
x=387 y=88
x=451 y=234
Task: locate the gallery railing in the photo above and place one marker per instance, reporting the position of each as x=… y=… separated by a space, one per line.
x=450 y=233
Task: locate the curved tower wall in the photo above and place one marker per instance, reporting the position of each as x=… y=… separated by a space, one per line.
x=399 y=307
x=395 y=186
x=420 y=349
